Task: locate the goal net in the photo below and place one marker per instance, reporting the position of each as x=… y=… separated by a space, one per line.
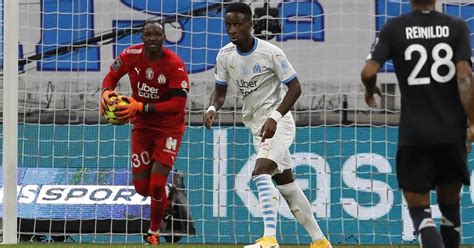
x=74 y=178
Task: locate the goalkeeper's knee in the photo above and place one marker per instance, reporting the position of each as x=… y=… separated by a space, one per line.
x=157 y=188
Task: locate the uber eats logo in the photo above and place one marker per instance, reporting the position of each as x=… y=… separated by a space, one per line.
x=246 y=87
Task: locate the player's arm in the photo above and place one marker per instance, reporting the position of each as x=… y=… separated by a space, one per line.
x=286 y=73
x=110 y=81
x=175 y=103
x=292 y=95
x=462 y=58
x=217 y=99
x=379 y=53
x=172 y=103
x=218 y=96
x=466 y=94
x=466 y=90
x=368 y=76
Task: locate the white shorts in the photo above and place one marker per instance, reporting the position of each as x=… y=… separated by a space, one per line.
x=277 y=148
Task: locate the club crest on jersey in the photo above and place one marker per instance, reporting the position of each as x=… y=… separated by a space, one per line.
x=257 y=68
x=149 y=73
x=184 y=84
x=161 y=79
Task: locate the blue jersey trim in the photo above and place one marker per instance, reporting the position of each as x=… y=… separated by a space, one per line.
x=289 y=79
x=221 y=82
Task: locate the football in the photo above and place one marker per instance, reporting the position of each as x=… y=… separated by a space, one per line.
x=110 y=115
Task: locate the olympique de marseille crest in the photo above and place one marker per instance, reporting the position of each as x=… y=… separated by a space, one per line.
x=161 y=79
x=149 y=73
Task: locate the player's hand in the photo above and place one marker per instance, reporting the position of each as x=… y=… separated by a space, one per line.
x=369 y=96
x=105 y=101
x=469 y=138
x=268 y=129
x=127 y=112
x=208 y=118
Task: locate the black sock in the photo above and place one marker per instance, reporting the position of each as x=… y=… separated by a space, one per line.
x=450 y=224
x=425 y=228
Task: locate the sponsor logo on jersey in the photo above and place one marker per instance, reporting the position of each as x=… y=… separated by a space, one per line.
x=116 y=65
x=146 y=91
x=246 y=87
x=257 y=68
x=161 y=79
x=137 y=70
x=170 y=145
x=181 y=68
x=149 y=73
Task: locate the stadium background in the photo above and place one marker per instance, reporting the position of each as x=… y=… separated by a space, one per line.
x=343 y=152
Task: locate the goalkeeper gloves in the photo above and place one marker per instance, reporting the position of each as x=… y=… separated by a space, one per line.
x=127 y=112
x=105 y=100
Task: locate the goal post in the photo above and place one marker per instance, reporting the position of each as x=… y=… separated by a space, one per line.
x=10 y=120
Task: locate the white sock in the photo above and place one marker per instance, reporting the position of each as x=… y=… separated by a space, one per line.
x=269 y=201
x=153 y=232
x=301 y=209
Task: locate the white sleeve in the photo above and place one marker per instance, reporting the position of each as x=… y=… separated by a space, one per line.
x=282 y=67
x=221 y=75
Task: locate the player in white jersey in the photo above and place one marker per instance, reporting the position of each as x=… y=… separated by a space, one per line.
x=261 y=70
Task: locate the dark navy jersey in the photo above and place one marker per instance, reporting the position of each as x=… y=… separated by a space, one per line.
x=424 y=47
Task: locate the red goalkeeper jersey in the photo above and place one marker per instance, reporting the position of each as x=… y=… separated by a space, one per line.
x=152 y=82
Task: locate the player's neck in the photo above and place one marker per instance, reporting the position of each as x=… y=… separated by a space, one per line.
x=154 y=56
x=247 y=45
x=424 y=7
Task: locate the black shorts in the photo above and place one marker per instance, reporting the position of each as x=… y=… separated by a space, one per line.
x=422 y=168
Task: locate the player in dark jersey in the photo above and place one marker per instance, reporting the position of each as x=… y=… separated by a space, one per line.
x=159 y=82
x=431 y=54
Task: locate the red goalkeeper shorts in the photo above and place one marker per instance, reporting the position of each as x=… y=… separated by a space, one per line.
x=154 y=145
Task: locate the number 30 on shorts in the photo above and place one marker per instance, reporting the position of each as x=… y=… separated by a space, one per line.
x=139 y=159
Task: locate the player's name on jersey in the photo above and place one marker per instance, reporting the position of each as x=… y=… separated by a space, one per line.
x=430 y=32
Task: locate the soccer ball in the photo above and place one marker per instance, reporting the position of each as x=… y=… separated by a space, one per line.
x=110 y=114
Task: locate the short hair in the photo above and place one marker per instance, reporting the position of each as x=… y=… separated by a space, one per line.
x=423 y=2
x=240 y=8
x=151 y=22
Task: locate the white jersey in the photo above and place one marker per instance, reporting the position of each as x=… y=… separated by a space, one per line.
x=259 y=74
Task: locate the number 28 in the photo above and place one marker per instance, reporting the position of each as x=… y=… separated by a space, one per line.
x=438 y=61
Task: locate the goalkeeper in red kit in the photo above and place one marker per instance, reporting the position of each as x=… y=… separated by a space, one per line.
x=160 y=84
